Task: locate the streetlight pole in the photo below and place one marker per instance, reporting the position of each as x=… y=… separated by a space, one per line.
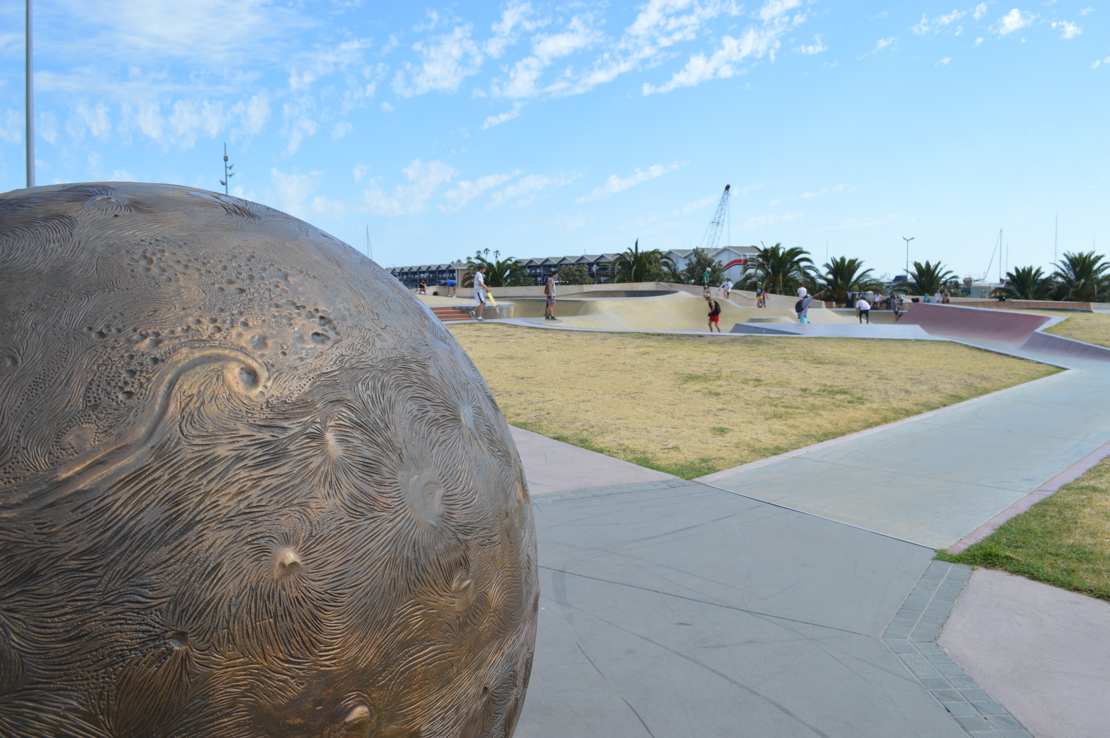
x=907 y=240
x=30 y=104
x=228 y=174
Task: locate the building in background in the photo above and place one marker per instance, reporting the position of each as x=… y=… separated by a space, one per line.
x=539 y=269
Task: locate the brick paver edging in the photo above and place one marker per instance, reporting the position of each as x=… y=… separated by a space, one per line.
x=912 y=635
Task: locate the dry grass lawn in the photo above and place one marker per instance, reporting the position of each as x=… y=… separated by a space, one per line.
x=1063 y=540
x=1089 y=327
x=692 y=405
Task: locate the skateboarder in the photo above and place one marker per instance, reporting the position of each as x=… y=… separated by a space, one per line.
x=549 y=290
x=479 y=293
x=714 y=313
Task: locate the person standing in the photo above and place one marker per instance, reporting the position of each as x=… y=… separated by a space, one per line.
x=726 y=287
x=863 y=310
x=714 y=313
x=479 y=293
x=760 y=295
x=549 y=290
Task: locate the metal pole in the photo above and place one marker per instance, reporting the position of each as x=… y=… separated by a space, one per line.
x=30 y=104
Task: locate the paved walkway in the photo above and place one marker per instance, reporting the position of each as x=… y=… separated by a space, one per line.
x=674 y=608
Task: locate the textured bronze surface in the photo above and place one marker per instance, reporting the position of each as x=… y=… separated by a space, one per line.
x=249 y=487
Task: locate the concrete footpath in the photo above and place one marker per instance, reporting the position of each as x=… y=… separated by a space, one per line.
x=671 y=608
x=676 y=608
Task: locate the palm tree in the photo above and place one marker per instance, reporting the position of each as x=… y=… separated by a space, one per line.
x=499 y=273
x=642 y=266
x=1027 y=283
x=927 y=278
x=780 y=270
x=843 y=275
x=1083 y=276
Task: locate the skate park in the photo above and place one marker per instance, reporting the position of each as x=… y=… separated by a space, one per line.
x=828 y=613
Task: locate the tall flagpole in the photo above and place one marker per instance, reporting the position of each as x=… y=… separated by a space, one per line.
x=30 y=106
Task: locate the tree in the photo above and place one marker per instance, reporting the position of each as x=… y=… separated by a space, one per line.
x=1083 y=276
x=927 y=279
x=699 y=263
x=1027 y=283
x=499 y=273
x=575 y=274
x=843 y=275
x=780 y=270
x=642 y=266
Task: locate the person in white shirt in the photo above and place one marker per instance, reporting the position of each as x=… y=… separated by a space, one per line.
x=726 y=287
x=863 y=310
x=479 y=293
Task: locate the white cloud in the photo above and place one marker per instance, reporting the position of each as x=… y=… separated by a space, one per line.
x=546 y=50
x=761 y=221
x=937 y=24
x=206 y=33
x=979 y=12
x=570 y=224
x=359 y=172
x=496 y=120
x=695 y=206
x=341 y=129
x=412 y=196
x=943 y=62
x=659 y=25
x=525 y=190
x=815 y=48
x=1100 y=62
x=775 y=8
x=91 y=120
x=516 y=17
x=1086 y=11
x=1013 y=21
x=755 y=43
x=298 y=127
x=48 y=127
x=978 y=40
x=11 y=126
x=825 y=191
x=883 y=43
x=464 y=192
x=446 y=60
x=311 y=66
x=1069 y=30
x=291 y=191
x=252 y=114
x=616 y=184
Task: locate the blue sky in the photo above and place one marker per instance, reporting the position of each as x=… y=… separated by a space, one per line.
x=536 y=128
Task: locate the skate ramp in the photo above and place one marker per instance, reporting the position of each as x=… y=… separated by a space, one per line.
x=1019 y=330
x=837 y=330
x=951 y=321
x=679 y=311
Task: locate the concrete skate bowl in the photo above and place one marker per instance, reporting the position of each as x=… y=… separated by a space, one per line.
x=1020 y=330
x=668 y=312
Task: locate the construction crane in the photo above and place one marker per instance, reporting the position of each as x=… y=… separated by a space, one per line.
x=712 y=237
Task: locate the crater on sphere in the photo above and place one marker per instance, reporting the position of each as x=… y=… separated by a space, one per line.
x=423 y=493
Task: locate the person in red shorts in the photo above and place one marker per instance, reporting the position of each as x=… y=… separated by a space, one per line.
x=714 y=313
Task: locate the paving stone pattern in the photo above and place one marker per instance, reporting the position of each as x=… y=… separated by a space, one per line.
x=912 y=634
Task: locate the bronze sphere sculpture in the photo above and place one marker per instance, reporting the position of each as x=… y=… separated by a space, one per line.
x=249 y=487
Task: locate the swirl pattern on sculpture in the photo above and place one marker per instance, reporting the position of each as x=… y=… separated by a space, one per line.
x=249 y=487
